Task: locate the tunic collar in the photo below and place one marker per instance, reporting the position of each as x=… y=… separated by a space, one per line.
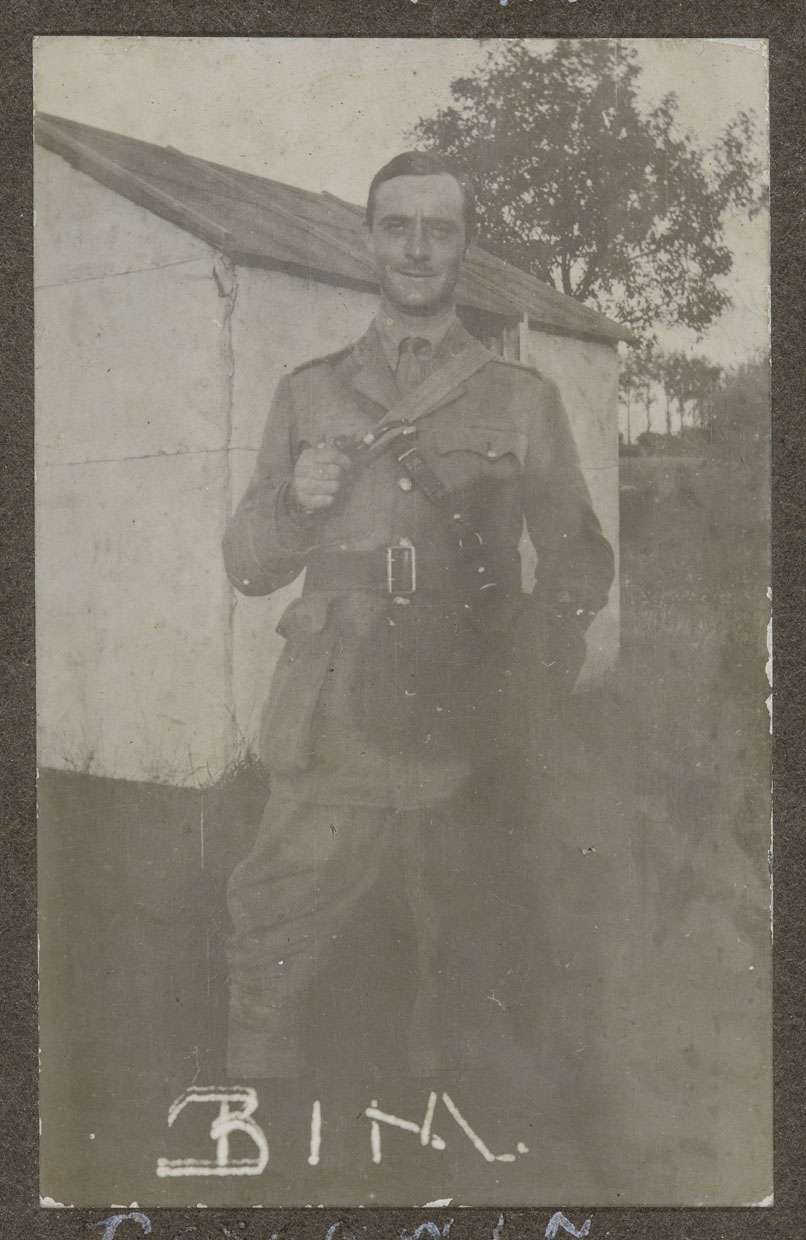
x=394 y=327
x=369 y=372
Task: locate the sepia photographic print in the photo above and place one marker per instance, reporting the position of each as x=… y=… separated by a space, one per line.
x=402 y=516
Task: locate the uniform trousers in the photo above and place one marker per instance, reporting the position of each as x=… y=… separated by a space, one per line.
x=318 y=900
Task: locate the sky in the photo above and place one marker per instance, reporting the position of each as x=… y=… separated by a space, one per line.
x=325 y=114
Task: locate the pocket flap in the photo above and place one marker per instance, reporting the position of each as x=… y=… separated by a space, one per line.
x=491 y=442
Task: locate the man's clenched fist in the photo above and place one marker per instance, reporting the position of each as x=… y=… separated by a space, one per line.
x=318 y=476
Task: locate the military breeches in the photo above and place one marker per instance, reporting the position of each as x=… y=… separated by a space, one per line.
x=317 y=910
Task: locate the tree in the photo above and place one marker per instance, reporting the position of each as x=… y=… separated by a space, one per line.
x=692 y=383
x=637 y=378
x=614 y=205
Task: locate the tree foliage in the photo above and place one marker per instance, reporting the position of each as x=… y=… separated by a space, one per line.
x=692 y=384
x=579 y=185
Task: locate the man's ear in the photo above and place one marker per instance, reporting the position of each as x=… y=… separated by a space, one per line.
x=471 y=239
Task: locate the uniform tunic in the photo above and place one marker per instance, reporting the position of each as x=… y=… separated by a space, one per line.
x=366 y=732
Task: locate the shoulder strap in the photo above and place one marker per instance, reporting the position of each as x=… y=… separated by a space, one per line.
x=425 y=397
x=433 y=390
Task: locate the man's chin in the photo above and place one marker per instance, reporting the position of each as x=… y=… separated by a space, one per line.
x=412 y=301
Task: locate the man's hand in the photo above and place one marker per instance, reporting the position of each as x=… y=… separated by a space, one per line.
x=318 y=477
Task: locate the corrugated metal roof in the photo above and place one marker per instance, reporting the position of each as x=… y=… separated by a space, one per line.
x=260 y=222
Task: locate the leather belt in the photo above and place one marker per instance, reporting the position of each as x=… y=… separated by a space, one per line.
x=399 y=570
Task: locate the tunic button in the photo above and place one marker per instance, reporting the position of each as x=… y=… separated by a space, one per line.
x=405 y=484
x=492 y=454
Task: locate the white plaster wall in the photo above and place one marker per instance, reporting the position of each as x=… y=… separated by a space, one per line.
x=83 y=231
x=587 y=376
x=132 y=420
x=133 y=670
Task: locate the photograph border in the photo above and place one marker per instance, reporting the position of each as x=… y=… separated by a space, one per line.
x=20 y=1212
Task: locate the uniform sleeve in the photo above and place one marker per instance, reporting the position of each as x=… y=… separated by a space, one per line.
x=264 y=545
x=575 y=564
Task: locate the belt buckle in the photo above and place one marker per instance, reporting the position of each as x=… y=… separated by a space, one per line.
x=401 y=568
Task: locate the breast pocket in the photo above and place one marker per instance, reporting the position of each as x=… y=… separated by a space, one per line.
x=492 y=443
x=468 y=453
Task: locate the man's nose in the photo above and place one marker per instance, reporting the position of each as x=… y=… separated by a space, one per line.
x=417 y=241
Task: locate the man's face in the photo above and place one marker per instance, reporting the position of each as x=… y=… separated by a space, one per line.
x=417 y=241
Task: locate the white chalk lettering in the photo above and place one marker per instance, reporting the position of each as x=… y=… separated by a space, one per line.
x=408 y=1125
x=425 y=1132
x=236 y=1104
x=474 y=1137
x=316 y=1133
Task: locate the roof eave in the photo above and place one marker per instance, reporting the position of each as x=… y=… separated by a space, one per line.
x=492 y=285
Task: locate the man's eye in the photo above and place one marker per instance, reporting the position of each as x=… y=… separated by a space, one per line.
x=395 y=226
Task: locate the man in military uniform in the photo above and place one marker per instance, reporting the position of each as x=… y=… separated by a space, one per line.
x=398 y=473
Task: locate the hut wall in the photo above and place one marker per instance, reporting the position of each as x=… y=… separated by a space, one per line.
x=132 y=395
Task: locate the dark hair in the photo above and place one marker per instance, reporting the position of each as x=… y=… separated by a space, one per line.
x=426 y=164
